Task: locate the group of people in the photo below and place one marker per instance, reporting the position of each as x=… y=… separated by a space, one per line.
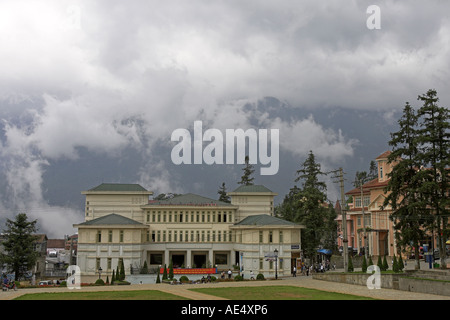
x=306 y=270
x=8 y=284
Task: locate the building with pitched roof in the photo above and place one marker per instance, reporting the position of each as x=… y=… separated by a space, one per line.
x=367 y=201
x=189 y=230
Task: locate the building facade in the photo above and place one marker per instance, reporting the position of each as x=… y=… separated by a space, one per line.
x=370 y=226
x=123 y=223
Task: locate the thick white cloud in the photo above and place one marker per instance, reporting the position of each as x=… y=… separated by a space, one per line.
x=110 y=75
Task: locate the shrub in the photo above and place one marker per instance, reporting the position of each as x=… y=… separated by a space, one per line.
x=350 y=264
x=364 y=264
x=164 y=276
x=238 y=278
x=144 y=269
x=158 y=280
x=99 y=282
x=400 y=264
x=260 y=276
x=385 y=264
x=171 y=270
x=379 y=263
x=184 y=279
x=395 y=265
x=370 y=261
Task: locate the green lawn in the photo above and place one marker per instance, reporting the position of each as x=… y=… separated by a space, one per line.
x=103 y=295
x=277 y=293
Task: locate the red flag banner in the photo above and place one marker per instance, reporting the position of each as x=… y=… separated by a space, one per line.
x=191 y=271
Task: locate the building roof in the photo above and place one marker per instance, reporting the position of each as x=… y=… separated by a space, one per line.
x=189 y=199
x=372 y=184
x=264 y=220
x=111 y=219
x=56 y=243
x=118 y=187
x=384 y=155
x=252 y=188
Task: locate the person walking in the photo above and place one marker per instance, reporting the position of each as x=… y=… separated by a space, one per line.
x=294 y=272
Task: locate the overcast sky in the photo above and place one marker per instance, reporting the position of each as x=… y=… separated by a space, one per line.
x=91 y=91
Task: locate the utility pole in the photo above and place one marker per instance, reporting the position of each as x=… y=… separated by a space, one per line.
x=366 y=247
x=344 y=218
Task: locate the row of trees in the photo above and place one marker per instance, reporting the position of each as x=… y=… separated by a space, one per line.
x=308 y=205
x=418 y=185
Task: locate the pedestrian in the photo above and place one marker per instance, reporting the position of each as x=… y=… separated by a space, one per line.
x=229 y=274
x=294 y=272
x=252 y=275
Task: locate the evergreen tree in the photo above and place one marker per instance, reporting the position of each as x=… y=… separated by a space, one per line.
x=400 y=263
x=171 y=270
x=113 y=277
x=434 y=139
x=18 y=254
x=350 y=264
x=403 y=187
x=395 y=265
x=370 y=261
x=164 y=276
x=364 y=264
x=158 y=280
x=380 y=263
x=223 y=194
x=144 y=269
x=122 y=271
x=117 y=273
x=310 y=209
x=385 y=264
x=247 y=179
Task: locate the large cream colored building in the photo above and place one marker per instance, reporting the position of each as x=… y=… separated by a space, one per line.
x=122 y=222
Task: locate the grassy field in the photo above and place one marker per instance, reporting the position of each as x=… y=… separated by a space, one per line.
x=103 y=295
x=240 y=293
x=277 y=293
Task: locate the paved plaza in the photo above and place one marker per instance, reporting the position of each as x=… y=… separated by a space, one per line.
x=299 y=281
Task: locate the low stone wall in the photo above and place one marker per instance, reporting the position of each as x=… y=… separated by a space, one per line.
x=409 y=281
x=425 y=286
x=388 y=281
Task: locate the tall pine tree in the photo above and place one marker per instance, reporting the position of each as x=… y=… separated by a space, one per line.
x=408 y=212
x=247 y=179
x=18 y=252
x=312 y=210
x=223 y=194
x=434 y=139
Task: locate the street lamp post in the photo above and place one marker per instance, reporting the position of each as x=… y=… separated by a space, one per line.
x=276 y=262
x=100 y=272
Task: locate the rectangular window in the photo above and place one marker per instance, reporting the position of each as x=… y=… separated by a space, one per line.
x=121 y=236
x=261 y=263
x=99 y=236
x=281 y=236
x=110 y=236
x=97 y=264
x=109 y=264
x=260 y=237
x=270 y=237
x=156 y=258
x=221 y=258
